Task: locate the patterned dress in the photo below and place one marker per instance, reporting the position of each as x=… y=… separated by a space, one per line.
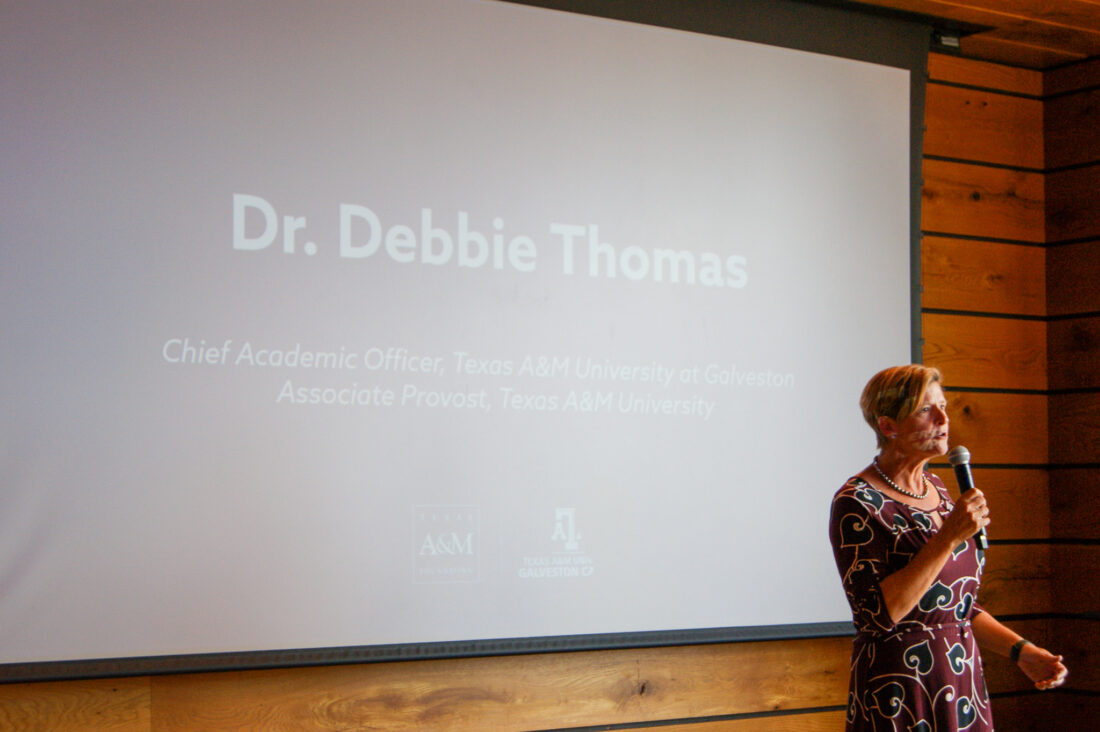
x=923 y=674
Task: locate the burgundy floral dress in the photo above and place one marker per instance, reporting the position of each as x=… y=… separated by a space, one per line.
x=923 y=674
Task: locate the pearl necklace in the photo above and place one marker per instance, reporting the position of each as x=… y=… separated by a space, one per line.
x=898 y=488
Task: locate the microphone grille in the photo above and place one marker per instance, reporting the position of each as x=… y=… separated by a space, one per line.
x=959 y=456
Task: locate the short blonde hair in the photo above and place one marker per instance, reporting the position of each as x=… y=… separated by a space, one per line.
x=896 y=393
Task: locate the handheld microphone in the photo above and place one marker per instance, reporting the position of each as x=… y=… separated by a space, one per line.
x=959 y=457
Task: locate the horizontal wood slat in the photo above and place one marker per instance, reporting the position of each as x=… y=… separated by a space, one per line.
x=982 y=126
x=973 y=200
x=1075 y=503
x=1070 y=128
x=1079 y=641
x=1073 y=272
x=1002 y=51
x=100 y=705
x=808 y=722
x=1069 y=35
x=1072 y=78
x=1074 y=429
x=1071 y=204
x=1073 y=350
x=998 y=353
x=1003 y=429
x=1017 y=579
x=1019 y=500
x=516 y=693
x=1051 y=36
x=1054 y=711
x=958 y=70
x=990 y=277
x=1076 y=590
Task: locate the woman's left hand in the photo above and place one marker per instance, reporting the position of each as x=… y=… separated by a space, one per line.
x=1041 y=666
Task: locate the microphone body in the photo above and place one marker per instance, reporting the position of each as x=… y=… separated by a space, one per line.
x=959 y=457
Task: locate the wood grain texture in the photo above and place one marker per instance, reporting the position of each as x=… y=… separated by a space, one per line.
x=1075 y=503
x=973 y=200
x=996 y=353
x=1073 y=77
x=970 y=124
x=1017 y=579
x=1001 y=51
x=957 y=70
x=1019 y=500
x=1072 y=211
x=1077 y=589
x=1074 y=429
x=809 y=722
x=1007 y=429
x=1053 y=711
x=1054 y=36
x=1061 y=27
x=101 y=705
x=990 y=277
x=1073 y=348
x=515 y=693
x=634 y=686
x=1079 y=641
x=1073 y=272
x=1070 y=124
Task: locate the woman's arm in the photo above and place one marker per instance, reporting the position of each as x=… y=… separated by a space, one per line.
x=1044 y=669
x=903 y=589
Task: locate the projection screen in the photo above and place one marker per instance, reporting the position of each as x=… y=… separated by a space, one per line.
x=427 y=325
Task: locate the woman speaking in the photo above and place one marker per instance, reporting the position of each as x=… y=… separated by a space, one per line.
x=911 y=570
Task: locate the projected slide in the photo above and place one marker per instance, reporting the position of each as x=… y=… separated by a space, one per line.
x=360 y=323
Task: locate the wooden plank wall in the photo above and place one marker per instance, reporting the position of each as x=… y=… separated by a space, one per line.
x=1072 y=136
x=1012 y=316
x=1010 y=313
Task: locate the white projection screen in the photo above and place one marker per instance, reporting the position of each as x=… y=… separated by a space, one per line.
x=369 y=329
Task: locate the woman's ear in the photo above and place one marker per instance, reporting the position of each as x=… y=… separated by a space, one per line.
x=888 y=427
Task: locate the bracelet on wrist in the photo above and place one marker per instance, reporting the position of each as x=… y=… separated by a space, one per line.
x=1018 y=646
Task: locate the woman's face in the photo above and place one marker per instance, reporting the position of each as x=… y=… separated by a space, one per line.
x=924 y=433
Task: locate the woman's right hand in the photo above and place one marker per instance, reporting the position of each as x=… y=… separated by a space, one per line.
x=969 y=516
